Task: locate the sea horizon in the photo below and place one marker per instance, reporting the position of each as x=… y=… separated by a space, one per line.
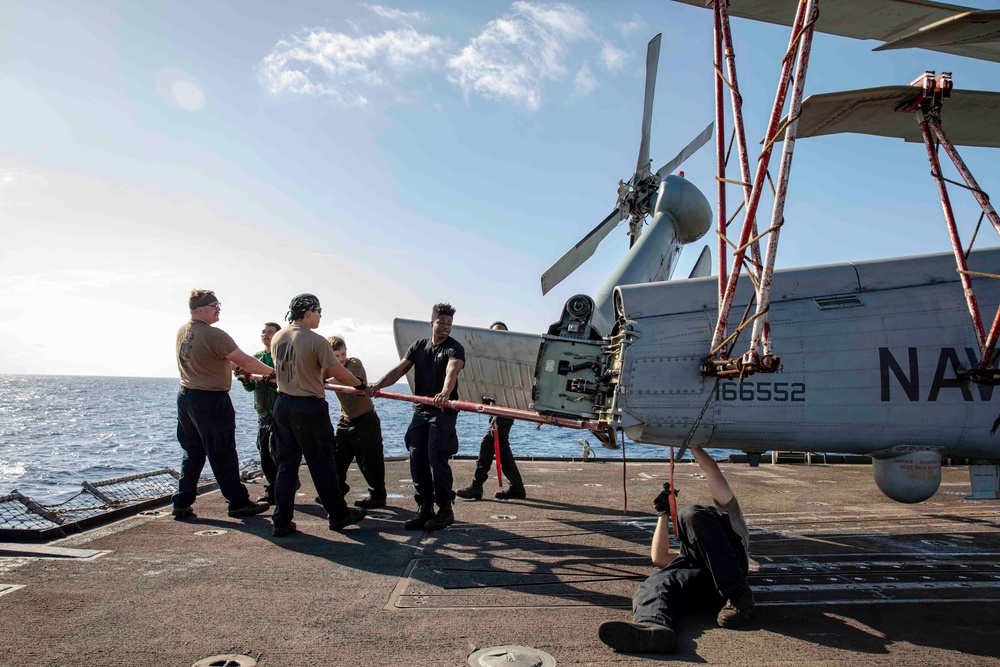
x=57 y=431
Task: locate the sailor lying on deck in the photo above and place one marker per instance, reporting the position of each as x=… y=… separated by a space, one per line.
x=709 y=572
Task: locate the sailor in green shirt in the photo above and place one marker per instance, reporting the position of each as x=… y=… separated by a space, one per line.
x=264 y=395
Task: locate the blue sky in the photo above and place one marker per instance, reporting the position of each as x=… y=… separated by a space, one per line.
x=384 y=157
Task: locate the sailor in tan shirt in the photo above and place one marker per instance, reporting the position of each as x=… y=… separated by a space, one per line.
x=302 y=426
x=359 y=434
x=206 y=421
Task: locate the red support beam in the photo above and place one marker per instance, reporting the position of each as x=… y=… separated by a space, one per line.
x=725 y=305
x=956 y=243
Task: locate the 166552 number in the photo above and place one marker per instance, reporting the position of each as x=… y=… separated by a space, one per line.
x=760 y=391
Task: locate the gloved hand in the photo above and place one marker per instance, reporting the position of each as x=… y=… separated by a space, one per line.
x=662 y=501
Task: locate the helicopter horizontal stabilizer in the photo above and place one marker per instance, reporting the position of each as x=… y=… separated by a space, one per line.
x=498 y=364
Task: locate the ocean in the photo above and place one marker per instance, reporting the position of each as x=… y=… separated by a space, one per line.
x=58 y=431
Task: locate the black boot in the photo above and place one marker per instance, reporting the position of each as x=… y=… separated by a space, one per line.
x=473 y=491
x=444 y=518
x=372 y=502
x=511 y=493
x=738 y=609
x=424 y=514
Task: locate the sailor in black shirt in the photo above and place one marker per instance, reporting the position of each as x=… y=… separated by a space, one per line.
x=431 y=438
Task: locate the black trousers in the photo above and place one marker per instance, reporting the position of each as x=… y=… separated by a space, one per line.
x=361 y=438
x=487 y=451
x=206 y=429
x=302 y=428
x=265 y=434
x=431 y=440
x=712 y=565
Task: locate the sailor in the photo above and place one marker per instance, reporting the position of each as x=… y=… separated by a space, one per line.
x=499 y=430
x=359 y=434
x=302 y=426
x=264 y=395
x=710 y=570
x=206 y=421
x=431 y=438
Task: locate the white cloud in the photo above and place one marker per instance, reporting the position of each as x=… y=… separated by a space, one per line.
x=179 y=90
x=345 y=68
x=509 y=60
x=585 y=81
x=613 y=57
x=513 y=55
x=628 y=27
x=398 y=15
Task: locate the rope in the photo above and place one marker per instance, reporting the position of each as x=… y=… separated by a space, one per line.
x=729 y=85
x=729 y=150
x=975 y=234
x=741 y=327
x=959 y=185
x=746 y=312
x=731 y=182
x=767 y=175
x=979 y=274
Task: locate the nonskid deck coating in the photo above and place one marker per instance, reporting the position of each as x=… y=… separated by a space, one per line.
x=841 y=574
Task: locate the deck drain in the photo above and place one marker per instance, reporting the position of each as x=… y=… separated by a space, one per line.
x=226 y=660
x=510 y=655
x=209 y=533
x=153 y=513
x=593 y=485
x=503 y=517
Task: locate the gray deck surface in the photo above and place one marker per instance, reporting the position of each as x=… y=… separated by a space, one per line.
x=842 y=576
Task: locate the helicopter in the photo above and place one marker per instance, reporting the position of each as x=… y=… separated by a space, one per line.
x=881 y=358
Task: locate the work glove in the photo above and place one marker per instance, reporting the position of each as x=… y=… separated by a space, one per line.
x=662 y=501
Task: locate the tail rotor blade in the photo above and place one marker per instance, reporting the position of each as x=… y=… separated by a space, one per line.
x=652 y=59
x=687 y=152
x=579 y=253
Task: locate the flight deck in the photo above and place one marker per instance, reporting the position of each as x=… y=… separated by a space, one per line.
x=841 y=575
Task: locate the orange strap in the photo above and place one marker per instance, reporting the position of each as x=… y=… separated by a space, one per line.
x=673 y=495
x=496 y=451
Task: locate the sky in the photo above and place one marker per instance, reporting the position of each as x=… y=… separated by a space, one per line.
x=386 y=157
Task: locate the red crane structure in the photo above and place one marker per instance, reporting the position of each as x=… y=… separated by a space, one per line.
x=929 y=25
